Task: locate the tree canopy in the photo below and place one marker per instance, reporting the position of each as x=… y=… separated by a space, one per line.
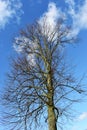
x=41 y=85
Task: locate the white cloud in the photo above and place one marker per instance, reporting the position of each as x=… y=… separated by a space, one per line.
x=31 y=59
x=81 y=16
x=24 y=44
x=78 y=15
x=48 y=21
x=70 y=2
x=9 y=9
x=51 y=16
x=82 y=116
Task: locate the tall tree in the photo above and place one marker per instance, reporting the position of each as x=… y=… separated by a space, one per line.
x=40 y=85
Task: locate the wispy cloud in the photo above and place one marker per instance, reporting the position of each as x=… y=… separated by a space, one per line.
x=78 y=15
x=9 y=9
x=82 y=116
x=48 y=21
x=24 y=44
x=52 y=15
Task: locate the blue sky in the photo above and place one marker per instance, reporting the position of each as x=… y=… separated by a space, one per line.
x=15 y=14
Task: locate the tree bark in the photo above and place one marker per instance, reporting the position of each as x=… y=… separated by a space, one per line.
x=51 y=119
x=51 y=111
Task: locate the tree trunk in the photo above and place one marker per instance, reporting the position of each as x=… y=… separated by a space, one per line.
x=51 y=119
x=51 y=112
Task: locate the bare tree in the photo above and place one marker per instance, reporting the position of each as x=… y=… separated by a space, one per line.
x=40 y=85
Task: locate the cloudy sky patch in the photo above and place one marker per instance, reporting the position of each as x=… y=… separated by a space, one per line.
x=9 y=9
x=78 y=15
x=82 y=116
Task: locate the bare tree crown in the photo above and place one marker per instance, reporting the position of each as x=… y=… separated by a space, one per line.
x=40 y=82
